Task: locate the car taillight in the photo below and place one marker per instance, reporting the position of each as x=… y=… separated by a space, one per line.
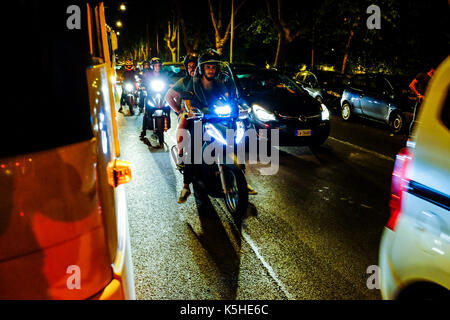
x=399 y=184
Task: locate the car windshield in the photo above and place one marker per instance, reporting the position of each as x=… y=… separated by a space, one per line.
x=264 y=81
x=48 y=100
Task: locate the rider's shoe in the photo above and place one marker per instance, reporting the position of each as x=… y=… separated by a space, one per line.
x=185 y=193
x=142 y=136
x=251 y=191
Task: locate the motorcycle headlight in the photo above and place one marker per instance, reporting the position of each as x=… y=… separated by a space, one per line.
x=129 y=87
x=157 y=85
x=262 y=114
x=223 y=111
x=325 y=112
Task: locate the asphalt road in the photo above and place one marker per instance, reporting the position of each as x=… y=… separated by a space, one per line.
x=311 y=232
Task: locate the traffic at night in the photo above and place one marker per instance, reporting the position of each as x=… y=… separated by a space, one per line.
x=226 y=151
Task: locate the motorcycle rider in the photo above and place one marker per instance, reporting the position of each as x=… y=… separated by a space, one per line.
x=154 y=73
x=207 y=89
x=129 y=76
x=173 y=97
x=146 y=71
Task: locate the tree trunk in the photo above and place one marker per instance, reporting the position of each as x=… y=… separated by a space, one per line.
x=347 y=50
x=280 y=57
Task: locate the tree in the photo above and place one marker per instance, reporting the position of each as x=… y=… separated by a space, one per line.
x=171 y=37
x=190 y=43
x=287 y=31
x=220 y=36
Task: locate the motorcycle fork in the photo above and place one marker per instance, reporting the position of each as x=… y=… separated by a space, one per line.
x=222 y=179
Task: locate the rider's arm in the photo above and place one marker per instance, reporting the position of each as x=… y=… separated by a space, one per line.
x=173 y=99
x=412 y=85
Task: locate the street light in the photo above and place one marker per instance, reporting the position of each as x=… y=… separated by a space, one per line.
x=119 y=24
x=123 y=7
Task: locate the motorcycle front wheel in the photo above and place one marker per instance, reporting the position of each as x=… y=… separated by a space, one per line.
x=236 y=197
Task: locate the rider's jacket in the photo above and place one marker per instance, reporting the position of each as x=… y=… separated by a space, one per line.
x=129 y=75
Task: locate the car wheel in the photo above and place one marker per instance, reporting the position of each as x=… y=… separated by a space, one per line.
x=346 y=111
x=396 y=122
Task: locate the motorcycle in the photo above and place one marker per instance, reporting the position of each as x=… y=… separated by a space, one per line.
x=219 y=179
x=157 y=111
x=130 y=98
x=142 y=97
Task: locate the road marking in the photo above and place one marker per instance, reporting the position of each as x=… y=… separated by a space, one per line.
x=266 y=265
x=379 y=155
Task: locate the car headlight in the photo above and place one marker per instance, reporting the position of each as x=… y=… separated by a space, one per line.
x=129 y=87
x=223 y=111
x=262 y=114
x=157 y=85
x=325 y=112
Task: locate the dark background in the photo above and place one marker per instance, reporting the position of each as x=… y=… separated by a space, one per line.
x=414 y=35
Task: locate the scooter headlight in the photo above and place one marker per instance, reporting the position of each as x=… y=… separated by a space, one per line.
x=223 y=111
x=129 y=87
x=157 y=85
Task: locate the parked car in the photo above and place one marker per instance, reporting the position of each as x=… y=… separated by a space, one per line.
x=414 y=255
x=326 y=86
x=375 y=97
x=277 y=102
x=63 y=212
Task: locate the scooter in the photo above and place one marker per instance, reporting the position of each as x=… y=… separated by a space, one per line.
x=222 y=178
x=157 y=111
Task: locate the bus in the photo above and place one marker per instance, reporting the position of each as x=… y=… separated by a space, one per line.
x=63 y=216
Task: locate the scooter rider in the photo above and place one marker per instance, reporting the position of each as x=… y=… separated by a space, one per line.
x=154 y=73
x=129 y=76
x=207 y=89
x=144 y=83
x=173 y=97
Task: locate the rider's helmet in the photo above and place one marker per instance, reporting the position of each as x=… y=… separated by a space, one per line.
x=211 y=56
x=155 y=60
x=190 y=57
x=146 y=65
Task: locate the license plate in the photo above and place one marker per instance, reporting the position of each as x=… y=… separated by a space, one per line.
x=304 y=133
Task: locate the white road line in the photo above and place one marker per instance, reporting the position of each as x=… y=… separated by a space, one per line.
x=266 y=265
x=379 y=155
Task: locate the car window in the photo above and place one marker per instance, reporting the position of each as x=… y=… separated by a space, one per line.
x=261 y=81
x=48 y=103
x=445 y=115
x=359 y=82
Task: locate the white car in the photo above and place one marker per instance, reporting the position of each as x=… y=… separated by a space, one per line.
x=414 y=255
